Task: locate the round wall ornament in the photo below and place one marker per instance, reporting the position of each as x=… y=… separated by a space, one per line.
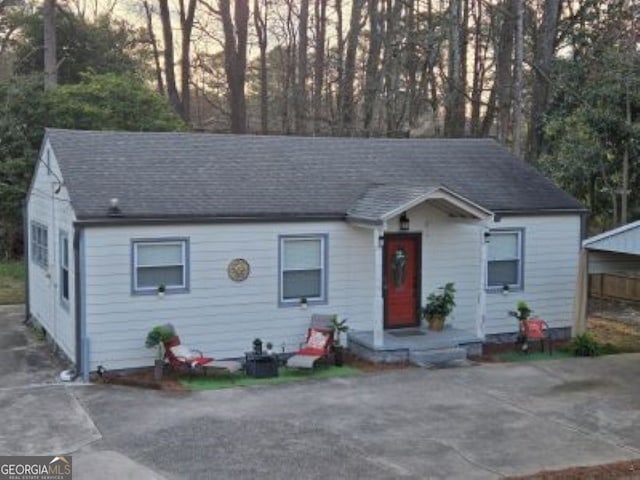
x=238 y=269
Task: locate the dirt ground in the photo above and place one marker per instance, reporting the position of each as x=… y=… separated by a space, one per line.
x=617 y=323
x=619 y=470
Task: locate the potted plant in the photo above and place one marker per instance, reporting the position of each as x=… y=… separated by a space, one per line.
x=439 y=305
x=339 y=327
x=157 y=337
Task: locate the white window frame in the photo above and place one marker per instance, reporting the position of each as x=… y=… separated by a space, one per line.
x=318 y=300
x=136 y=243
x=64 y=268
x=39 y=250
x=519 y=286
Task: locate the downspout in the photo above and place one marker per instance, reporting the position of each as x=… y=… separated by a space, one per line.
x=78 y=310
x=25 y=254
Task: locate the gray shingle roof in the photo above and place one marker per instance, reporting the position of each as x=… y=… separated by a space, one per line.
x=163 y=175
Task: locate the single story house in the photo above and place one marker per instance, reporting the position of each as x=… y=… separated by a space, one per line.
x=247 y=236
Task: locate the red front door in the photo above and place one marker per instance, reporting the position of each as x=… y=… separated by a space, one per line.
x=402 y=280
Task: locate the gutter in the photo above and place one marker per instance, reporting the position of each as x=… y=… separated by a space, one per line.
x=121 y=220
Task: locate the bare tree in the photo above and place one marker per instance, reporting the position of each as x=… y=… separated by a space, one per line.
x=260 y=23
x=372 y=68
x=504 y=73
x=347 y=107
x=180 y=101
x=154 y=46
x=518 y=114
x=320 y=18
x=300 y=100
x=50 y=57
x=235 y=59
x=454 y=124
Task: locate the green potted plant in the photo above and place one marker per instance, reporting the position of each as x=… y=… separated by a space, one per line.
x=157 y=337
x=439 y=305
x=522 y=310
x=339 y=327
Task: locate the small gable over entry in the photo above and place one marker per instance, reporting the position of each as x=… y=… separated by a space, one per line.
x=381 y=203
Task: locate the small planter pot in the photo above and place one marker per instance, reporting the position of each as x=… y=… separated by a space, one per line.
x=436 y=322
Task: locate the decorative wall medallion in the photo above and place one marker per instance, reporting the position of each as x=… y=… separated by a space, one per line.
x=238 y=269
x=398 y=267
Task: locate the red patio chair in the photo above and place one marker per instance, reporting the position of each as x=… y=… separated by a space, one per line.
x=318 y=345
x=181 y=357
x=535 y=329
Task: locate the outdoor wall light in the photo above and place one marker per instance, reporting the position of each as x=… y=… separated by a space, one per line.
x=487 y=237
x=381 y=241
x=114 y=208
x=404 y=222
x=505 y=289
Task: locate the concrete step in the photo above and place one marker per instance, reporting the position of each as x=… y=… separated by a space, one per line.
x=437 y=356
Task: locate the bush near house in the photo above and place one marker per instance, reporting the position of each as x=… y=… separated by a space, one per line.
x=11 y=282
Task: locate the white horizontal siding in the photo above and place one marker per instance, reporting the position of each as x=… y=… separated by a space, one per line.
x=54 y=211
x=551 y=251
x=218 y=316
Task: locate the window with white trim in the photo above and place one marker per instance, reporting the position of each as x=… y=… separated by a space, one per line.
x=504 y=259
x=303 y=269
x=39 y=245
x=160 y=262
x=64 y=268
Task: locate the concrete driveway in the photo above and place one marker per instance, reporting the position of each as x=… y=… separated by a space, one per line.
x=473 y=422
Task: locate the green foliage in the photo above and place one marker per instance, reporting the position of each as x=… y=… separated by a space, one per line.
x=159 y=334
x=585 y=345
x=339 y=327
x=99 y=102
x=103 y=46
x=11 y=282
x=111 y=102
x=523 y=310
x=441 y=302
x=585 y=131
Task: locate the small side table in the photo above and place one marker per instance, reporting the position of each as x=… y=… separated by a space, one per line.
x=261 y=366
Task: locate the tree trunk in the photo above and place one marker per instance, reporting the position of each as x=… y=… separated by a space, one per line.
x=504 y=64
x=545 y=48
x=235 y=59
x=518 y=114
x=260 y=22
x=372 y=69
x=50 y=56
x=348 y=100
x=300 y=100
x=169 y=61
x=186 y=22
x=154 y=47
x=455 y=116
x=318 y=69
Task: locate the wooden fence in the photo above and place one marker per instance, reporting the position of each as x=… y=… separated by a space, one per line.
x=614 y=286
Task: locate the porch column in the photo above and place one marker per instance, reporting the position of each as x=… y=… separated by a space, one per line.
x=378 y=305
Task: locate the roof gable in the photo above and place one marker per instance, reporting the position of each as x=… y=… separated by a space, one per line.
x=177 y=175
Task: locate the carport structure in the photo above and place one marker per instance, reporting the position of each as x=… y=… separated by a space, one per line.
x=613 y=251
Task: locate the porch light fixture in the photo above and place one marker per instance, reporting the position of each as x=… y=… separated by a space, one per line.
x=381 y=241
x=487 y=237
x=505 y=289
x=404 y=222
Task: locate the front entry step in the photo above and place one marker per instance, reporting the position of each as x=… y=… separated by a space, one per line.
x=437 y=357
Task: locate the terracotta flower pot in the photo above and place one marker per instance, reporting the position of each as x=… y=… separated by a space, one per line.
x=436 y=322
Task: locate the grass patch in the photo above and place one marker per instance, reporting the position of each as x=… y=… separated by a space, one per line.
x=533 y=356
x=12 y=282
x=285 y=376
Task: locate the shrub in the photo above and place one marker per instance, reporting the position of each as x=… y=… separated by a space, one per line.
x=585 y=345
